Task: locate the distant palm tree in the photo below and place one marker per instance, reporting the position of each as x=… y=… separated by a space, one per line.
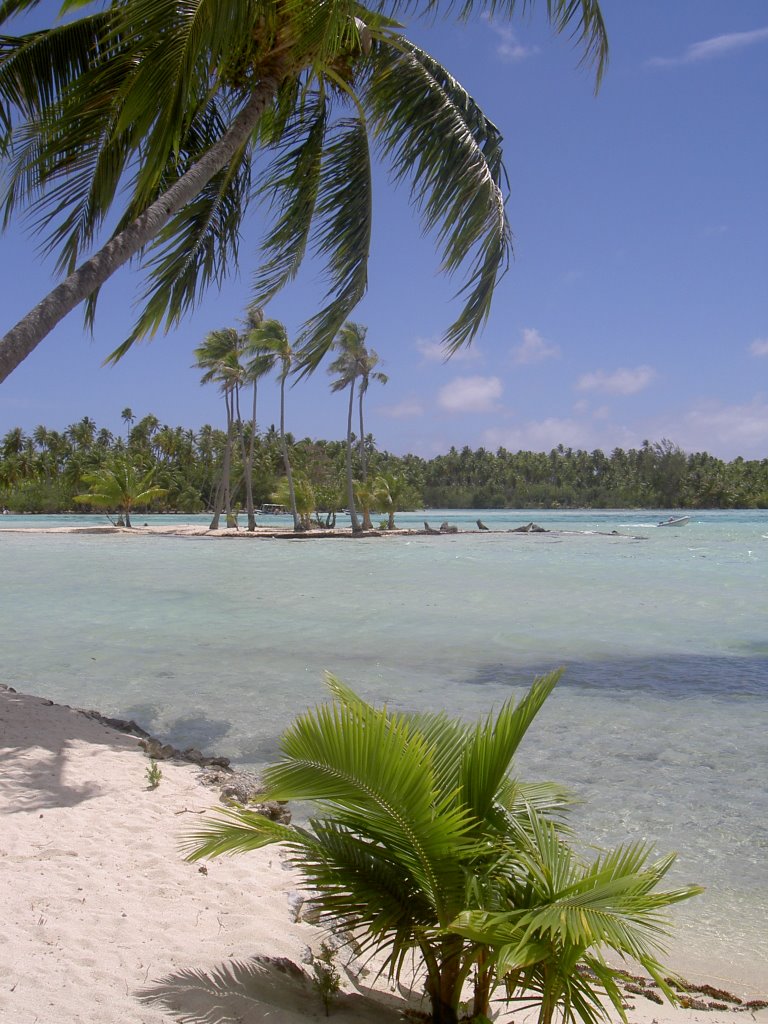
x=120 y=486
x=354 y=363
x=218 y=358
x=391 y=488
x=269 y=340
x=368 y=373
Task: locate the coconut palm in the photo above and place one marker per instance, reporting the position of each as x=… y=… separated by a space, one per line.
x=120 y=486
x=345 y=367
x=368 y=373
x=270 y=345
x=391 y=488
x=422 y=840
x=218 y=357
x=168 y=104
x=304 y=496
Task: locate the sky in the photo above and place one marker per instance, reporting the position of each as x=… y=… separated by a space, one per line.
x=636 y=305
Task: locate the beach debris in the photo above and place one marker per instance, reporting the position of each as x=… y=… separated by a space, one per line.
x=243 y=789
x=165 y=752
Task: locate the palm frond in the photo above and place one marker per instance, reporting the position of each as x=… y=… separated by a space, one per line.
x=291 y=185
x=435 y=135
x=342 y=238
x=489 y=751
x=196 y=248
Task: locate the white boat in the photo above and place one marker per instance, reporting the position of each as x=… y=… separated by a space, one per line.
x=675 y=521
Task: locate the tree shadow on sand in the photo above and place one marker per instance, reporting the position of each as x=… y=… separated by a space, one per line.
x=256 y=990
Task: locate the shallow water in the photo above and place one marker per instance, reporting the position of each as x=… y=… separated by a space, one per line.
x=659 y=723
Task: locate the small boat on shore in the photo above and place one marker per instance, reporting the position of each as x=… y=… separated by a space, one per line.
x=675 y=521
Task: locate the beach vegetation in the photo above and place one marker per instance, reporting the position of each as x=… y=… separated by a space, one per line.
x=169 y=107
x=42 y=470
x=429 y=851
x=327 y=980
x=120 y=486
x=154 y=774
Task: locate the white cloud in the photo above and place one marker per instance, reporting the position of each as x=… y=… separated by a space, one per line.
x=759 y=347
x=533 y=348
x=470 y=394
x=624 y=381
x=544 y=435
x=509 y=47
x=715 y=427
x=409 y=408
x=433 y=351
x=718 y=46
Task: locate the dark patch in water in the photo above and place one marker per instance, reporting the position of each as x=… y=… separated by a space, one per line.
x=185 y=731
x=669 y=675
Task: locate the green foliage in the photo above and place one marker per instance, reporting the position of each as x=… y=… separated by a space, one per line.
x=44 y=470
x=154 y=774
x=120 y=485
x=424 y=843
x=156 y=107
x=327 y=979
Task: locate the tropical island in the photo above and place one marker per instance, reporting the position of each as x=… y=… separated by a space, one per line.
x=41 y=472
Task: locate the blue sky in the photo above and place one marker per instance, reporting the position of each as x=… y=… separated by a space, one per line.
x=637 y=303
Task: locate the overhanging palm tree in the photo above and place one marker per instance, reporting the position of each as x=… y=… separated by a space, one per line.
x=120 y=486
x=170 y=103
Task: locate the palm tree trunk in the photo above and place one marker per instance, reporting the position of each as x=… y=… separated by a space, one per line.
x=229 y=517
x=363 y=467
x=356 y=528
x=248 y=461
x=89 y=276
x=367 y=524
x=297 y=525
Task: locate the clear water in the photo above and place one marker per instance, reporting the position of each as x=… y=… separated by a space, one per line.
x=660 y=722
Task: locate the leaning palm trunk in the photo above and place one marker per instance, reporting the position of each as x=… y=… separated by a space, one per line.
x=22 y=339
x=356 y=528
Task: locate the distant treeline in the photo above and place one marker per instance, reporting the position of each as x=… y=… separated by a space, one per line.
x=44 y=470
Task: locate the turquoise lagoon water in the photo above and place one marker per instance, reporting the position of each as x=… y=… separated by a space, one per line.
x=660 y=723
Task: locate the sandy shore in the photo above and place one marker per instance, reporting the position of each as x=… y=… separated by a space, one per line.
x=104 y=922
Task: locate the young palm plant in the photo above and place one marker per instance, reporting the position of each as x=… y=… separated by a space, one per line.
x=422 y=842
x=120 y=486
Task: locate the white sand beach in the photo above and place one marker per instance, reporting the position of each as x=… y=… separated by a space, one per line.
x=104 y=921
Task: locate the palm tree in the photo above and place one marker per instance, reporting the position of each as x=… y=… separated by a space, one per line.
x=176 y=98
x=218 y=357
x=368 y=373
x=350 y=343
x=269 y=340
x=119 y=486
x=420 y=828
x=392 y=488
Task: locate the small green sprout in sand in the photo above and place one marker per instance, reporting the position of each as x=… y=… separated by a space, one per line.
x=154 y=774
x=326 y=980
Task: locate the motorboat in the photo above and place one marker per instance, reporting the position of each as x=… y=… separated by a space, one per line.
x=675 y=521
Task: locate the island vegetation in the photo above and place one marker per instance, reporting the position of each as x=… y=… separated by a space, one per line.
x=42 y=471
